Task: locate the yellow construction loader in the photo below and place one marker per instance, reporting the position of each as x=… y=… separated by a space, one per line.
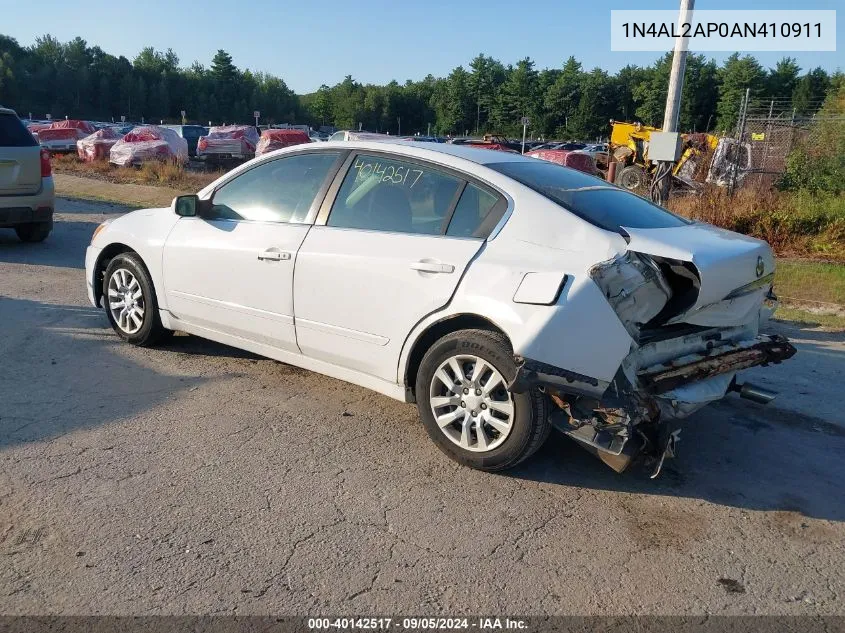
x=629 y=147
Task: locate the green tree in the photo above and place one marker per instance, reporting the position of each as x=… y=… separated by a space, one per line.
x=517 y=97
x=562 y=98
x=782 y=79
x=818 y=163
x=810 y=92
x=486 y=75
x=738 y=75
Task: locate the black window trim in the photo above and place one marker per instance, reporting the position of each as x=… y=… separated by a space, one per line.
x=463 y=178
x=315 y=204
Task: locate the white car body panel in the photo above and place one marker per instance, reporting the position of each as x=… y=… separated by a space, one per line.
x=144 y=232
x=357 y=296
x=725 y=260
x=224 y=275
x=348 y=304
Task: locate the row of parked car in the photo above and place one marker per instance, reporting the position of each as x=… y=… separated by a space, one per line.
x=134 y=144
x=581 y=156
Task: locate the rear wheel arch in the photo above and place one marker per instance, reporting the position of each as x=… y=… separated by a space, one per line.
x=434 y=333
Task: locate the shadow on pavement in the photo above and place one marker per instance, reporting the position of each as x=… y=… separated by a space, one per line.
x=61 y=371
x=64 y=247
x=733 y=453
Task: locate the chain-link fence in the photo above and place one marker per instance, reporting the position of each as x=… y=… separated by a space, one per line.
x=768 y=132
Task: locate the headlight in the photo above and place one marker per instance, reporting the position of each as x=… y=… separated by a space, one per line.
x=98 y=229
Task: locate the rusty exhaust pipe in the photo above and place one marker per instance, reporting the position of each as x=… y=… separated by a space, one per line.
x=753 y=392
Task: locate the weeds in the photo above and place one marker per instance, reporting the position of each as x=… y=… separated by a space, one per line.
x=167 y=174
x=793 y=223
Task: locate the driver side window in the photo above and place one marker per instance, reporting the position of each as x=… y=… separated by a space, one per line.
x=280 y=190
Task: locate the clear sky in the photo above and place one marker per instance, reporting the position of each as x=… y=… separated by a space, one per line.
x=317 y=42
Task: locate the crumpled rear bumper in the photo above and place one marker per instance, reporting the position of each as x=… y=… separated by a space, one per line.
x=669 y=375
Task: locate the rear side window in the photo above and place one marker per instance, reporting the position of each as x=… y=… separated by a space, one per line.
x=13 y=133
x=477 y=213
x=588 y=197
x=383 y=194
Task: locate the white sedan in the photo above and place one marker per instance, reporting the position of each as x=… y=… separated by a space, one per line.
x=502 y=294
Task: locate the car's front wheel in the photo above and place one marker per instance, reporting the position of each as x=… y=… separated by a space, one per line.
x=130 y=301
x=465 y=405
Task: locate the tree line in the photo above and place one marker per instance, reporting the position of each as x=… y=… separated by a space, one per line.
x=569 y=102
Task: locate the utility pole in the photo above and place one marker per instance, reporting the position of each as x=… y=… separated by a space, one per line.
x=663 y=174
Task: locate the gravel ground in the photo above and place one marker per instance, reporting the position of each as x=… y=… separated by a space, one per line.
x=196 y=478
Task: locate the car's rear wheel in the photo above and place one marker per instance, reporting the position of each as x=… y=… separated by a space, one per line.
x=464 y=403
x=130 y=301
x=34 y=231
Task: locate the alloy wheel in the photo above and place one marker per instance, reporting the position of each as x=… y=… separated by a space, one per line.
x=471 y=403
x=126 y=301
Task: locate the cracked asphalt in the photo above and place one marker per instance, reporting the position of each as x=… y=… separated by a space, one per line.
x=198 y=479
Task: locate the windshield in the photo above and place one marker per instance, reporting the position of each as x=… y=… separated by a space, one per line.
x=588 y=197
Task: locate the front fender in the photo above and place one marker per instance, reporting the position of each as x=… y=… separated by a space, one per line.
x=144 y=232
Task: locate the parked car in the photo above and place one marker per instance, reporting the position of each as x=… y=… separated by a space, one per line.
x=504 y=295
x=27 y=196
x=574 y=159
x=490 y=141
x=228 y=142
x=598 y=152
x=62 y=136
x=279 y=139
x=97 y=146
x=146 y=143
x=191 y=133
x=351 y=135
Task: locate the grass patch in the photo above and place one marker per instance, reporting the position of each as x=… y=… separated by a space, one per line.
x=797 y=281
x=156 y=173
x=810 y=319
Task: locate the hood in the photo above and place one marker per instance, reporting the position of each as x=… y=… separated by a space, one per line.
x=723 y=260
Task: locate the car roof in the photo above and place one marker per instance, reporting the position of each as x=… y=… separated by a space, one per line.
x=432 y=151
x=7 y=111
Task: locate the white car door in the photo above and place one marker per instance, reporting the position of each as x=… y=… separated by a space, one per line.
x=392 y=249
x=231 y=270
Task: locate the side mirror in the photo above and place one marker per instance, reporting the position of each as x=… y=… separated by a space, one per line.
x=186 y=206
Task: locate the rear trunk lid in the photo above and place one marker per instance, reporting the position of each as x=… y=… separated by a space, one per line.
x=725 y=261
x=20 y=158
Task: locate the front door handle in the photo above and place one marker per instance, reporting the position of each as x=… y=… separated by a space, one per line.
x=428 y=266
x=273 y=255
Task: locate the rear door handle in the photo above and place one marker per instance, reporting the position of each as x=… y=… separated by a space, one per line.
x=432 y=267
x=273 y=255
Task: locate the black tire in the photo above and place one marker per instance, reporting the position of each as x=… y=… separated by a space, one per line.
x=151 y=330
x=34 y=231
x=530 y=424
x=633 y=178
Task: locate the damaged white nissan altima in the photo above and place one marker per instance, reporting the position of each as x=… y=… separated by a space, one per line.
x=505 y=295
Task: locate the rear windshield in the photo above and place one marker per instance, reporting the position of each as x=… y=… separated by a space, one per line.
x=588 y=197
x=13 y=133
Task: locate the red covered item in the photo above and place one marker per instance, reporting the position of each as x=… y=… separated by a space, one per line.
x=572 y=159
x=37 y=127
x=228 y=141
x=277 y=139
x=63 y=135
x=149 y=143
x=97 y=146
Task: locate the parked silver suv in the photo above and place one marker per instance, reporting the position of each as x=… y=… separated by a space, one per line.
x=27 y=195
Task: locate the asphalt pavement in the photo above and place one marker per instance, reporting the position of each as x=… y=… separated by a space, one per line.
x=199 y=479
